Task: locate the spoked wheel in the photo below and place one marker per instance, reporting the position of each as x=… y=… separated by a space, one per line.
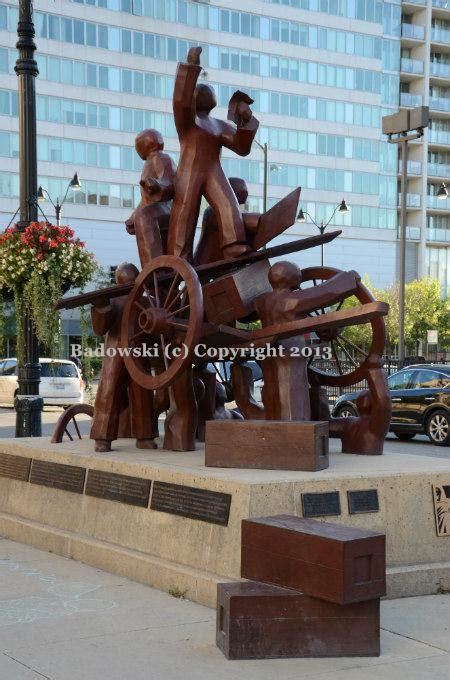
x=67 y=423
x=357 y=360
x=163 y=318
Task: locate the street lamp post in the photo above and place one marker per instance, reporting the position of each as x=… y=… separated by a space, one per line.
x=301 y=217
x=28 y=404
x=264 y=149
x=401 y=125
x=42 y=194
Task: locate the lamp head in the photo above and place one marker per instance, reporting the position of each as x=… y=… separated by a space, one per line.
x=343 y=207
x=40 y=195
x=75 y=183
x=301 y=216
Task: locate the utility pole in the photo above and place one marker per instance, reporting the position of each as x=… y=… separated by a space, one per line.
x=28 y=404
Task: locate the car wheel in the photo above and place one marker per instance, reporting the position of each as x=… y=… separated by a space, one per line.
x=405 y=436
x=438 y=428
x=346 y=411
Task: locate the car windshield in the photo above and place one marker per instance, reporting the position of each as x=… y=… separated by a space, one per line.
x=57 y=369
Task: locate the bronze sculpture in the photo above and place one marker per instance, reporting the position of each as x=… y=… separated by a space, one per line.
x=199 y=171
x=149 y=222
x=174 y=305
x=114 y=381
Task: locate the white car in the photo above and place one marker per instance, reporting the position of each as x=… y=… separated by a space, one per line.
x=61 y=382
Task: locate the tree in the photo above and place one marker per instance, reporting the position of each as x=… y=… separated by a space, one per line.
x=424 y=310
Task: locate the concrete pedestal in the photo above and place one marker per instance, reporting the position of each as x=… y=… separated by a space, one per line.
x=186 y=555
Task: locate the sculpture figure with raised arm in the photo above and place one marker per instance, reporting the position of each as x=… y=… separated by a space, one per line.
x=199 y=170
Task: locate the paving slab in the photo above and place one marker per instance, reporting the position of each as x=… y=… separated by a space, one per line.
x=62 y=620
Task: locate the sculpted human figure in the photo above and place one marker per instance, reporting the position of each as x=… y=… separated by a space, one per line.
x=114 y=379
x=199 y=170
x=149 y=222
x=209 y=246
x=365 y=434
x=285 y=393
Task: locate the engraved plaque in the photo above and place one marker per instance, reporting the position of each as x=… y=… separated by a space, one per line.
x=122 y=488
x=58 y=476
x=15 y=467
x=441 y=498
x=365 y=500
x=321 y=504
x=187 y=501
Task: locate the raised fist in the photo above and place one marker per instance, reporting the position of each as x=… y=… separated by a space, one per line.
x=193 y=56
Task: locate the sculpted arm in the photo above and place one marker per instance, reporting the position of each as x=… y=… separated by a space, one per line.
x=340 y=286
x=183 y=94
x=103 y=317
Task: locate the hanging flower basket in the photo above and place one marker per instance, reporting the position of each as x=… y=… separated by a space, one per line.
x=36 y=265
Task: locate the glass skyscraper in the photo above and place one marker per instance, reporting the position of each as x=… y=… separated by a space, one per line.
x=322 y=74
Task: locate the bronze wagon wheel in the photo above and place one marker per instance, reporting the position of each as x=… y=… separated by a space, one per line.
x=164 y=311
x=66 y=418
x=358 y=359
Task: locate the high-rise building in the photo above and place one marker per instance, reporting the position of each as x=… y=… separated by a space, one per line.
x=322 y=74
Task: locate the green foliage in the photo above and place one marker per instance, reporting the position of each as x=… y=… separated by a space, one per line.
x=424 y=310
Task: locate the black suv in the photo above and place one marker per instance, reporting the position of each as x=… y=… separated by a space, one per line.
x=420 y=396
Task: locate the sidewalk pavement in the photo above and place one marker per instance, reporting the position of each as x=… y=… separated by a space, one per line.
x=62 y=620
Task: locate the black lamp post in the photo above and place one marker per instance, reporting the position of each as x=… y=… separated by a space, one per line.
x=28 y=404
x=301 y=217
x=42 y=194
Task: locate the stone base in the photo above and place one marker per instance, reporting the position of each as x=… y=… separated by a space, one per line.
x=190 y=556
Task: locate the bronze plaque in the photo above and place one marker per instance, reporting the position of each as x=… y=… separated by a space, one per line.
x=365 y=500
x=122 y=488
x=188 y=501
x=321 y=504
x=15 y=467
x=441 y=498
x=58 y=476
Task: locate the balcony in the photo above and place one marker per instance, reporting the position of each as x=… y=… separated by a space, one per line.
x=439 y=70
x=439 y=170
x=413 y=167
x=440 y=104
x=411 y=66
x=439 y=137
x=442 y=235
x=412 y=233
x=410 y=100
x=438 y=203
x=413 y=31
x=412 y=200
x=440 y=35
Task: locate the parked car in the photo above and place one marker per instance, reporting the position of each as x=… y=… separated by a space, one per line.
x=61 y=382
x=420 y=396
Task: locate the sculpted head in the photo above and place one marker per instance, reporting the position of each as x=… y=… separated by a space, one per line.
x=205 y=98
x=239 y=187
x=285 y=276
x=148 y=141
x=126 y=273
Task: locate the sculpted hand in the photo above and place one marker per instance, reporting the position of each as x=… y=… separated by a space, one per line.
x=244 y=112
x=193 y=56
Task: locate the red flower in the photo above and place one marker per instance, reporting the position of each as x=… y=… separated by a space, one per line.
x=40 y=256
x=53 y=243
